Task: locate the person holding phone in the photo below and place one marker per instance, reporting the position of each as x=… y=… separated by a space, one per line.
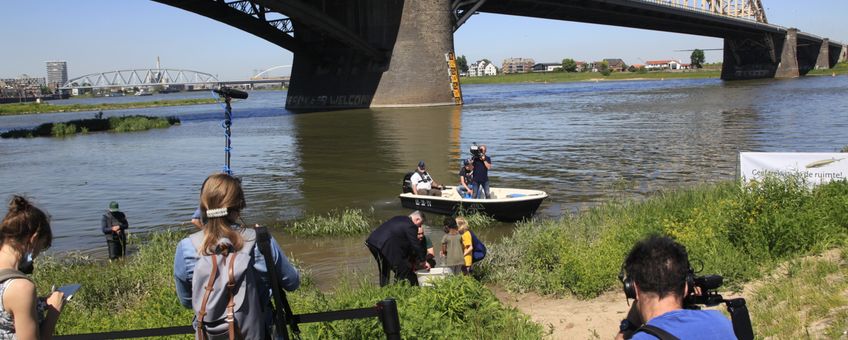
x=26 y=233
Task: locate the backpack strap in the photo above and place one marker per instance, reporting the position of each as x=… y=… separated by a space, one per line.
x=657 y=332
x=283 y=315
x=201 y=333
x=231 y=284
x=8 y=273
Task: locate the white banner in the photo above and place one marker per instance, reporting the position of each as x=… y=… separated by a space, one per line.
x=816 y=167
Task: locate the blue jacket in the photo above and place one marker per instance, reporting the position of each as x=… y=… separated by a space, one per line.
x=186 y=257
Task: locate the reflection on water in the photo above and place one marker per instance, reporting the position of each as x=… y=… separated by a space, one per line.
x=580 y=142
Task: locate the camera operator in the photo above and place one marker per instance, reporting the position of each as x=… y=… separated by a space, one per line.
x=657 y=274
x=482 y=163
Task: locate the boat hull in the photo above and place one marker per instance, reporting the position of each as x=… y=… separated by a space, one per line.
x=506 y=210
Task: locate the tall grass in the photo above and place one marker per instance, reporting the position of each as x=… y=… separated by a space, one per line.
x=737 y=232
x=476 y=220
x=84 y=126
x=345 y=222
x=806 y=298
x=138 y=292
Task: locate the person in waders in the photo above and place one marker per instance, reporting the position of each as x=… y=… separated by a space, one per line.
x=114 y=225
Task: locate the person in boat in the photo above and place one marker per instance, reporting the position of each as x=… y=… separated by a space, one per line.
x=430 y=256
x=482 y=163
x=423 y=183
x=466 y=179
x=393 y=243
x=114 y=224
x=467 y=244
x=26 y=233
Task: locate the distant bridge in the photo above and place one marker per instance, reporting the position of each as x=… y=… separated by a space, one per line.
x=141 y=78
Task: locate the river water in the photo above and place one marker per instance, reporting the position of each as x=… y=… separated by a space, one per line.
x=583 y=143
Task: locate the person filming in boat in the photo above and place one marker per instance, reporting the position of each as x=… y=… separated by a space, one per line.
x=482 y=163
x=423 y=183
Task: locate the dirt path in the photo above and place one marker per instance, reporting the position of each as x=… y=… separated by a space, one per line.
x=571 y=318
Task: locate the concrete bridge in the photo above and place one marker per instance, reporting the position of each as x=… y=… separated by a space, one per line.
x=376 y=53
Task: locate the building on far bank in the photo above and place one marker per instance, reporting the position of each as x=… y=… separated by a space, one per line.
x=581 y=66
x=482 y=68
x=547 y=67
x=655 y=65
x=616 y=65
x=517 y=65
x=57 y=73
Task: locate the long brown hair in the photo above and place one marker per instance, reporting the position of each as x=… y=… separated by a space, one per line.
x=22 y=221
x=221 y=191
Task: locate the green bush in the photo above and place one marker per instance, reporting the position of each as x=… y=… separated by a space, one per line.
x=346 y=222
x=733 y=231
x=476 y=220
x=62 y=130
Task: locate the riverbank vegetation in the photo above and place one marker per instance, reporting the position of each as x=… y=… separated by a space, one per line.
x=334 y=223
x=737 y=232
x=138 y=292
x=839 y=69
x=84 y=126
x=49 y=107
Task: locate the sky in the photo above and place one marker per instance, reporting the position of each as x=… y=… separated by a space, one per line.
x=107 y=35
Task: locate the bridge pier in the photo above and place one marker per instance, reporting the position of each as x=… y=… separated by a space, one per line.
x=413 y=35
x=823 y=60
x=788 y=66
x=843 y=55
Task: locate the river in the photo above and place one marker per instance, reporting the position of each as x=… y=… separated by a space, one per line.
x=583 y=143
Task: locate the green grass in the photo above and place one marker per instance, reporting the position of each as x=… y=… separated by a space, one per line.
x=336 y=223
x=84 y=126
x=807 y=298
x=28 y=108
x=839 y=69
x=735 y=232
x=476 y=220
x=558 y=77
x=138 y=292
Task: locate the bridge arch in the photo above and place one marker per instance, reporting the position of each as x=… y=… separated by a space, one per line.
x=140 y=77
x=269 y=70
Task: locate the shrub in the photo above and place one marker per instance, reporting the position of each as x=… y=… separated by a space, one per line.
x=728 y=230
x=62 y=130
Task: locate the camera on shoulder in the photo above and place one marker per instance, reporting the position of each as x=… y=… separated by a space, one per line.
x=475 y=151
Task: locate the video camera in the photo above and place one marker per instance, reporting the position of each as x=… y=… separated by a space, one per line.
x=710 y=297
x=475 y=151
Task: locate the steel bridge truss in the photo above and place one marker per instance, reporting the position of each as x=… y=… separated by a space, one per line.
x=268 y=18
x=740 y=9
x=140 y=78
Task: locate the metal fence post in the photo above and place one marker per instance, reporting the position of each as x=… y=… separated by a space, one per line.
x=390 y=319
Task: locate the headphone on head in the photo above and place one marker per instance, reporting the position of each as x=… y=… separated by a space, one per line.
x=630 y=289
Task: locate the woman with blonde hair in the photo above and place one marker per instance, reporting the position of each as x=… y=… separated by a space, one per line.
x=231 y=247
x=25 y=233
x=467 y=245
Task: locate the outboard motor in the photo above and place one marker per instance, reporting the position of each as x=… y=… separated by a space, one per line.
x=407 y=182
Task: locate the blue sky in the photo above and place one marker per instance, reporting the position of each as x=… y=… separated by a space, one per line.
x=103 y=35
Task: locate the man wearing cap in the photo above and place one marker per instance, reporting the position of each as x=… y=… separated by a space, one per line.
x=423 y=183
x=466 y=177
x=114 y=225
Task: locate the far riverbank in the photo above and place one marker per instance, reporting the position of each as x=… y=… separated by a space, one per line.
x=31 y=108
x=564 y=77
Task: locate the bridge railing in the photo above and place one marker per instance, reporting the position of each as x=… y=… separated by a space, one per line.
x=683 y=4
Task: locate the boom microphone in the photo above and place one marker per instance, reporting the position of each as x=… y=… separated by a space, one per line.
x=231 y=92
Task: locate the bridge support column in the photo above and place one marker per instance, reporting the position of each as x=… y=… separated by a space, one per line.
x=414 y=35
x=788 y=67
x=843 y=55
x=418 y=73
x=823 y=60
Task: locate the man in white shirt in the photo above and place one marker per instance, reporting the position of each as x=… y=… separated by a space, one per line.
x=423 y=183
